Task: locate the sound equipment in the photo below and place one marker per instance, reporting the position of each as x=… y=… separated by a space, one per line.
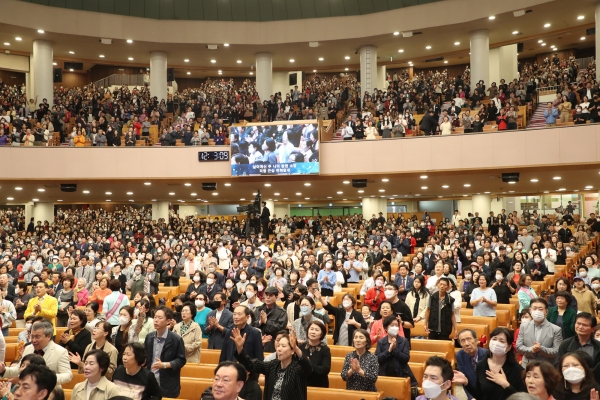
x=510 y=177
x=57 y=75
x=68 y=187
x=520 y=47
x=76 y=66
x=293 y=79
x=359 y=183
x=209 y=186
x=170 y=74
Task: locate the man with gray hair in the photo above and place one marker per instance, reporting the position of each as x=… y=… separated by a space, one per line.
x=56 y=357
x=354 y=267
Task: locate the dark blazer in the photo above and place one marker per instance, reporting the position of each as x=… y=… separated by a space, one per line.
x=398 y=358
x=484 y=388
x=340 y=318
x=463 y=363
x=78 y=344
x=572 y=344
x=216 y=337
x=252 y=346
x=320 y=360
x=407 y=288
x=277 y=320
x=568 y=320
x=171 y=280
x=216 y=288
x=173 y=352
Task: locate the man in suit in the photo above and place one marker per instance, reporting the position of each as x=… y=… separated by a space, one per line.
x=265 y=216
x=218 y=320
x=42 y=304
x=7 y=290
x=56 y=357
x=404 y=282
x=470 y=354
x=540 y=339
x=165 y=353
x=211 y=287
x=86 y=270
x=253 y=344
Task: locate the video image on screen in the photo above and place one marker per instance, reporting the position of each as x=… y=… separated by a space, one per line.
x=285 y=149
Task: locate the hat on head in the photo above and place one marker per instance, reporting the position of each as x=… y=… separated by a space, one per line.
x=272 y=290
x=577 y=278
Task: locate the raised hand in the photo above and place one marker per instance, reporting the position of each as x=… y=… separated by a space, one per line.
x=238 y=339
x=75 y=358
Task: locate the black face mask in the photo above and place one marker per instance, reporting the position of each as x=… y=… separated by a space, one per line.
x=178 y=308
x=296 y=296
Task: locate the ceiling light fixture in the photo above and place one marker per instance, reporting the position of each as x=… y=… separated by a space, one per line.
x=129 y=41
x=445 y=186
x=582 y=38
x=340 y=192
x=18 y=39
x=171 y=193
x=546 y=25
x=86 y=192
x=41 y=190
x=347 y=57
x=130 y=58
x=589 y=187
x=194 y=194
x=187 y=184
x=71 y=70
x=424 y=187
x=446 y=62
x=251 y=73
x=467 y=185
x=456 y=43
x=580 y=17
x=533 y=180
x=292 y=60
x=71 y=52
x=186 y=60
x=276 y=194
x=18 y=188
x=307 y=184
x=361 y=191
x=228 y=184
x=59 y=200
x=321 y=59
x=215 y=194
x=511 y=182
x=345 y=69
x=129 y=193
x=36 y=199
x=8 y=44
x=401 y=51
x=428 y=47
x=189 y=73
x=147 y=183
x=10 y=198
x=385 y=180
x=101 y=56
x=298 y=194
x=540 y=41
x=226 y=44
x=52 y=63
x=267 y=184
x=314 y=70
x=213 y=61
x=396 y=33
x=557 y=178
x=515 y=32
x=543 y=44
x=108 y=193
x=492 y=17
x=239 y=61
x=41 y=31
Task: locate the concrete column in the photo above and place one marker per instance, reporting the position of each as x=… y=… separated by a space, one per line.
x=43 y=212
x=264 y=75
x=28 y=213
x=41 y=65
x=374 y=205
x=158 y=75
x=29 y=83
x=368 y=69
x=281 y=210
x=482 y=203
x=160 y=209
x=480 y=49
x=508 y=63
x=382 y=76
x=597 y=14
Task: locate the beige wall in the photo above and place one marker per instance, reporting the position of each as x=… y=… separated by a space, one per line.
x=341 y=158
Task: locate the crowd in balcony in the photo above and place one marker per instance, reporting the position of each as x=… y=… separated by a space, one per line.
x=100 y=278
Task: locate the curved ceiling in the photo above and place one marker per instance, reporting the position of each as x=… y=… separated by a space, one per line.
x=233 y=10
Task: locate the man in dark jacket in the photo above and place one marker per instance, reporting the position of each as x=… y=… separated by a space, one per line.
x=429 y=123
x=165 y=353
x=585 y=323
x=269 y=317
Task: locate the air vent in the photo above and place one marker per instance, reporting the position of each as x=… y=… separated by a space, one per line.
x=417 y=33
x=590 y=31
x=435 y=59
x=528 y=11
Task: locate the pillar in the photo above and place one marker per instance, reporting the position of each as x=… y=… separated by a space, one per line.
x=368 y=69
x=29 y=83
x=264 y=75
x=482 y=203
x=374 y=205
x=43 y=212
x=597 y=13
x=480 y=65
x=160 y=209
x=503 y=64
x=382 y=76
x=28 y=213
x=42 y=67
x=158 y=75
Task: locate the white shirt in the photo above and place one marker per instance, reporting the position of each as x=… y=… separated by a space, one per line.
x=550 y=260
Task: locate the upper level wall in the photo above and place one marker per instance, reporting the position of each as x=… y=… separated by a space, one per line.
x=533 y=148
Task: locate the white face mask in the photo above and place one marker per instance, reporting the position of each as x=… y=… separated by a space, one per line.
x=347 y=303
x=583 y=274
x=261 y=288
x=499 y=277
x=467 y=276
x=595 y=286
x=537 y=315
x=497 y=348
x=573 y=375
x=431 y=389
x=228 y=285
x=123 y=320
x=393 y=330
x=210 y=281
x=379 y=283
x=389 y=294
x=199 y=303
x=196 y=279
x=28 y=326
x=249 y=295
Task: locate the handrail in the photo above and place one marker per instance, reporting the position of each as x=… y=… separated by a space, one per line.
x=121 y=79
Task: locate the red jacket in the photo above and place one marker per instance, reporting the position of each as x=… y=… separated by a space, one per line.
x=371 y=297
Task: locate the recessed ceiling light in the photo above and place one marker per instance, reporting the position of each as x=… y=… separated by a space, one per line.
x=8 y=44
x=186 y=60
x=557 y=178
x=381 y=190
x=101 y=56
x=171 y=193
x=107 y=200
x=307 y=184
x=582 y=38
x=41 y=190
x=321 y=59
x=345 y=69
x=347 y=57
x=543 y=44
x=189 y=73
x=445 y=61
x=580 y=17
x=251 y=73
x=41 y=31
x=346 y=182
x=131 y=41
x=589 y=187
x=486 y=192
x=267 y=184
x=59 y=200
x=10 y=198
x=340 y=192
x=424 y=187
x=18 y=188
x=361 y=191
x=276 y=194
x=307 y=198
x=492 y=17
x=511 y=191
x=147 y=183
x=423 y=177
x=86 y=192
x=187 y=184
x=533 y=180
x=71 y=70
x=71 y=52
x=285 y=198
x=213 y=61
x=226 y=44
x=228 y=184
x=515 y=32
x=35 y=199
x=396 y=33
x=292 y=60
x=242 y=199
x=54 y=64
x=511 y=182
x=239 y=61
x=298 y=194
x=385 y=180
x=108 y=193
x=130 y=58
x=329 y=197
x=194 y=194
x=129 y=193
x=546 y=25
x=445 y=186
x=131 y=200
x=456 y=43
x=18 y=39
x=428 y=47
x=467 y=185
x=220 y=72
x=562 y=189
x=314 y=70
x=401 y=51
x=215 y=194
x=540 y=41
x=255 y=193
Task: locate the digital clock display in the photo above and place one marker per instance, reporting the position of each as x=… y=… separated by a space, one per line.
x=213 y=156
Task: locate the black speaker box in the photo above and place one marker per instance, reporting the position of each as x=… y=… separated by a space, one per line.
x=510 y=177
x=293 y=79
x=76 y=66
x=209 y=186
x=68 y=187
x=359 y=183
x=57 y=75
x=519 y=47
x=170 y=74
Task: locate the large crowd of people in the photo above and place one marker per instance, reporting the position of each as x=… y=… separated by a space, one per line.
x=266 y=302
x=97 y=116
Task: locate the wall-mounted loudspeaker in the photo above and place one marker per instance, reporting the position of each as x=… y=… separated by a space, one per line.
x=209 y=186
x=68 y=187
x=57 y=75
x=359 y=183
x=510 y=177
x=170 y=74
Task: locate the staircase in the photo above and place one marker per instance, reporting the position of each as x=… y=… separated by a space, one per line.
x=537 y=119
